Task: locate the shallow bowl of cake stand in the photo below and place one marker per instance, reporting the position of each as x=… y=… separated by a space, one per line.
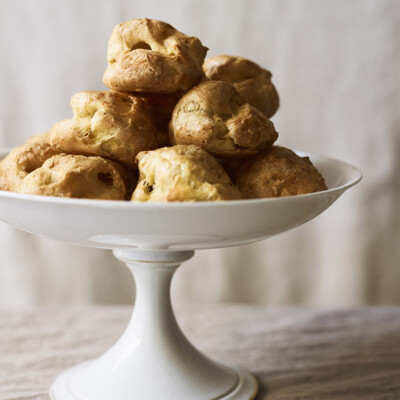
x=153 y=359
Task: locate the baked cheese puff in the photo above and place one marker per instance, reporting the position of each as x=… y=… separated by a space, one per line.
x=24 y=159
x=276 y=173
x=76 y=176
x=108 y=124
x=146 y=55
x=213 y=116
x=182 y=173
x=249 y=79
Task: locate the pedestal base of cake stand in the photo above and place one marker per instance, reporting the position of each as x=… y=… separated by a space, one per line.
x=153 y=359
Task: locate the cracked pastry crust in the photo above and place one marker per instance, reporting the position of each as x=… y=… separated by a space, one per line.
x=251 y=81
x=213 y=115
x=108 y=124
x=277 y=173
x=146 y=55
x=182 y=173
x=76 y=176
x=23 y=160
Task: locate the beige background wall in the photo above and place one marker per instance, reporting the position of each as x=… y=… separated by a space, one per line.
x=336 y=65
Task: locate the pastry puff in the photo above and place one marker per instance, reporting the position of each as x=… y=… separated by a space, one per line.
x=182 y=173
x=105 y=123
x=23 y=160
x=146 y=55
x=251 y=81
x=76 y=176
x=277 y=173
x=214 y=116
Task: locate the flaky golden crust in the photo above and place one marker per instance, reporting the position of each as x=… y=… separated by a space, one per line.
x=277 y=173
x=182 y=173
x=251 y=81
x=24 y=159
x=212 y=115
x=160 y=108
x=76 y=176
x=146 y=55
x=105 y=123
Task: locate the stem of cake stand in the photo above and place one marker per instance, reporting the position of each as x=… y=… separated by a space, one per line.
x=153 y=359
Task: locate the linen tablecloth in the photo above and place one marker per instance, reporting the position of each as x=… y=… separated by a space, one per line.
x=296 y=354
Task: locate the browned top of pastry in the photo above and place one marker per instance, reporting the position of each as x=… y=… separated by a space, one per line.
x=213 y=115
x=76 y=176
x=278 y=172
x=146 y=55
x=24 y=159
x=182 y=173
x=250 y=80
x=105 y=123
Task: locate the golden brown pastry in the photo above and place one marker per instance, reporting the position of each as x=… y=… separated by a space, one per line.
x=146 y=55
x=250 y=80
x=182 y=173
x=24 y=159
x=76 y=176
x=105 y=123
x=276 y=173
x=160 y=107
x=213 y=115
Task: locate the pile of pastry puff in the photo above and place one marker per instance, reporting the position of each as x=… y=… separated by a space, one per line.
x=174 y=126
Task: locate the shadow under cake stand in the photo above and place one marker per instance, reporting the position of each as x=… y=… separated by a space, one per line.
x=153 y=359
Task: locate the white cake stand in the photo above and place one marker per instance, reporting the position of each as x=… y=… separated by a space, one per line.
x=153 y=359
